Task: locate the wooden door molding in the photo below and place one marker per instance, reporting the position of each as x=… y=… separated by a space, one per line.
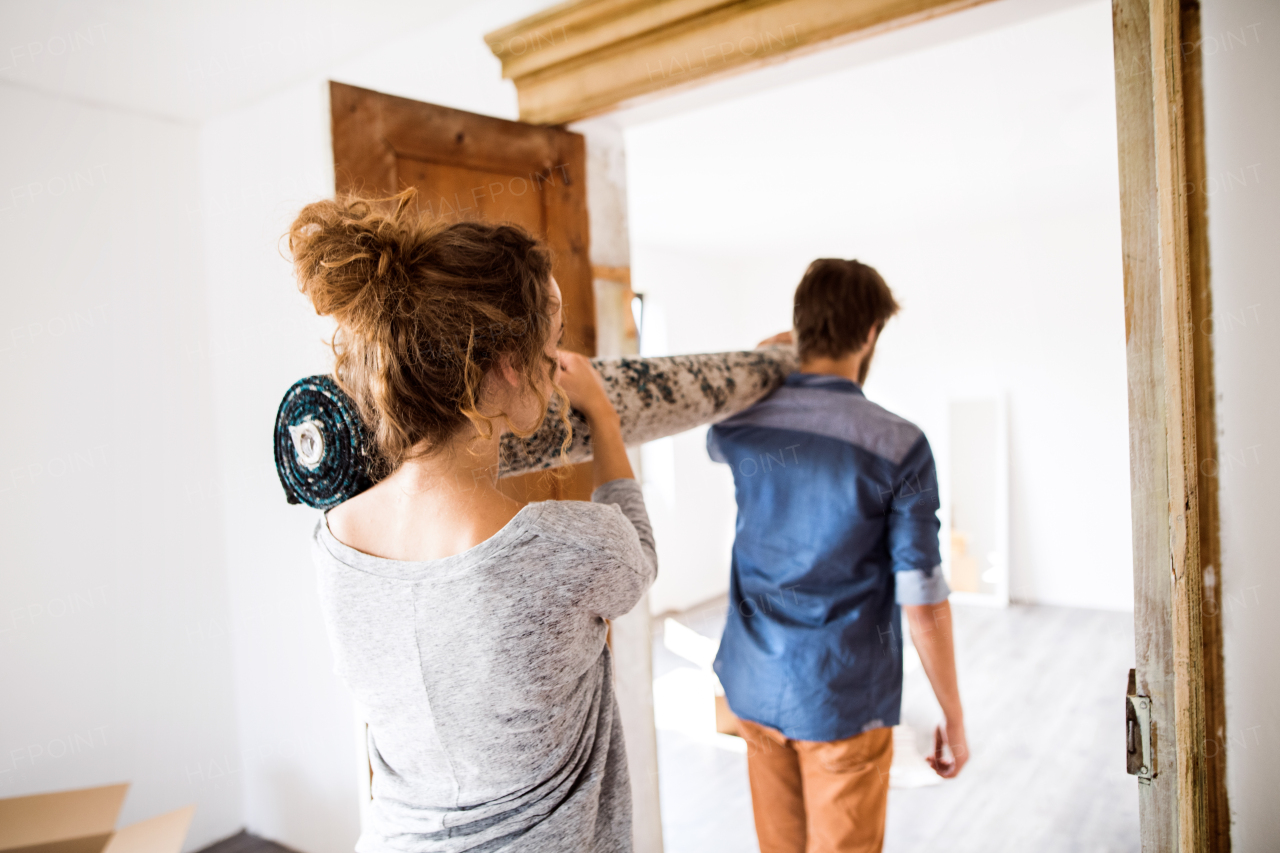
x=1217 y=813
x=1171 y=419
x=580 y=59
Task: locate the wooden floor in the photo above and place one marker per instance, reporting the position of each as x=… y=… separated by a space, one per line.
x=1043 y=689
x=243 y=842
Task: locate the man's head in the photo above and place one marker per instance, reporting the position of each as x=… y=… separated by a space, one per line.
x=839 y=305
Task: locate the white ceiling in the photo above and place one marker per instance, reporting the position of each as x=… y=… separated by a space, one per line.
x=191 y=59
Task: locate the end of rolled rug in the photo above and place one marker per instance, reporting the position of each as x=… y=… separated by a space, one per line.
x=323 y=454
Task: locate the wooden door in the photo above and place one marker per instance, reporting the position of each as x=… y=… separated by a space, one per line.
x=468 y=166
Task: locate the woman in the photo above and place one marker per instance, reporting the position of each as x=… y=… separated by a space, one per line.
x=471 y=628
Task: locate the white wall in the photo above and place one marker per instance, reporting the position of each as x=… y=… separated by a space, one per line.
x=114 y=649
x=258 y=166
x=1242 y=75
x=988 y=200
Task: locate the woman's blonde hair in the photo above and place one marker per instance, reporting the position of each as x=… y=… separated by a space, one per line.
x=424 y=310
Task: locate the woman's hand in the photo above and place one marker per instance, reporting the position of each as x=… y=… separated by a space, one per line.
x=780 y=338
x=582 y=383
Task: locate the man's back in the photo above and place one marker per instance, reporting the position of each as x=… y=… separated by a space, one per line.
x=837 y=532
x=837 y=526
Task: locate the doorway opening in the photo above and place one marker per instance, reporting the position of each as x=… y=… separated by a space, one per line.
x=989 y=201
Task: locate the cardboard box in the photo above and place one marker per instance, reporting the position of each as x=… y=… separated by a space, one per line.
x=84 y=821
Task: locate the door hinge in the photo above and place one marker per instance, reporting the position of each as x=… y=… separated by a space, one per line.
x=1141 y=756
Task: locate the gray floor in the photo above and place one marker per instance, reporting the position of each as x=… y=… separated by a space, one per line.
x=1044 y=704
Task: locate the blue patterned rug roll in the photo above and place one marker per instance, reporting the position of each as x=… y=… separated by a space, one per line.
x=323 y=453
x=322 y=450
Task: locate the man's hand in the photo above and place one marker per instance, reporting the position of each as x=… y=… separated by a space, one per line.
x=780 y=338
x=950 y=750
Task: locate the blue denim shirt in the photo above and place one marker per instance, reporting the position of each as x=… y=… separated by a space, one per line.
x=837 y=527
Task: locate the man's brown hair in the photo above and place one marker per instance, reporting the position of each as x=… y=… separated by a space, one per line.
x=837 y=305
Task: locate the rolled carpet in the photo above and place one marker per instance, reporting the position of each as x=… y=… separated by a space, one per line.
x=324 y=456
x=323 y=452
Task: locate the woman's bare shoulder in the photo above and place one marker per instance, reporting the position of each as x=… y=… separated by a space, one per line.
x=387 y=523
x=360 y=522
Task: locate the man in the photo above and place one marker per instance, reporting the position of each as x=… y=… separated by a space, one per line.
x=837 y=530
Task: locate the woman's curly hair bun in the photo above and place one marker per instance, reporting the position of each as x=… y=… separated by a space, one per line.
x=424 y=309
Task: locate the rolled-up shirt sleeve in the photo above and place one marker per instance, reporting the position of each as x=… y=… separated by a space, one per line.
x=920 y=586
x=913 y=530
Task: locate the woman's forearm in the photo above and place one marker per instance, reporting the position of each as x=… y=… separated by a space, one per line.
x=608 y=450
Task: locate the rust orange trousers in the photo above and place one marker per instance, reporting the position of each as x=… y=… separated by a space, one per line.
x=818 y=797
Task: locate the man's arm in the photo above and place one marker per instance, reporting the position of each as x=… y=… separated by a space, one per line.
x=912 y=518
x=930 y=626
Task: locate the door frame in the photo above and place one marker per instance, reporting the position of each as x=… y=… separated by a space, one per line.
x=589 y=58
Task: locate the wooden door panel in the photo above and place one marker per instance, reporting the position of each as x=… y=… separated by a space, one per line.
x=458 y=192
x=564 y=188
x=429 y=132
x=468 y=166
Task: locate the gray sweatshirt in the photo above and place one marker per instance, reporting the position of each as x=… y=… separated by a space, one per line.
x=486 y=682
